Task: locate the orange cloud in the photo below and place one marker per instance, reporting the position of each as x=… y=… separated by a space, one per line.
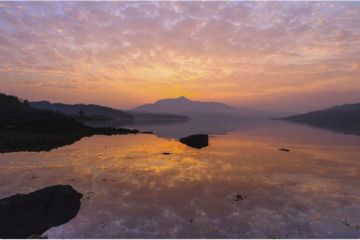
x=236 y=52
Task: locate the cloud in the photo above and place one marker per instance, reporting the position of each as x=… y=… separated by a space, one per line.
x=244 y=48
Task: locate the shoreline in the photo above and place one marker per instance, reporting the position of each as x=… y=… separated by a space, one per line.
x=20 y=141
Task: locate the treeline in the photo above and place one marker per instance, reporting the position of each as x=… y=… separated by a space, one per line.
x=23 y=128
x=17 y=114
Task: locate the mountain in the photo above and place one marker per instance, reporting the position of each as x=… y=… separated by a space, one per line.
x=185 y=106
x=97 y=113
x=85 y=112
x=343 y=118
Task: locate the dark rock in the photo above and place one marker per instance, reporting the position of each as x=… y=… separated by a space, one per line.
x=238 y=197
x=25 y=215
x=165 y=153
x=196 y=141
x=284 y=150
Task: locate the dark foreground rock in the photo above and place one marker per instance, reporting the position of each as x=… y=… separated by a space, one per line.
x=196 y=141
x=24 y=215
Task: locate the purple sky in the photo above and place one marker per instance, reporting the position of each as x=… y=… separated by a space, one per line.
x=286 y=56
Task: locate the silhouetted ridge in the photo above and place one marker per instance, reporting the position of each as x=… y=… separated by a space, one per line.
x=18 y=115
x=23 y=128
x=187 y=107
x=97 y=113
x=86 y=112
x=10 y=104
x=343 y=118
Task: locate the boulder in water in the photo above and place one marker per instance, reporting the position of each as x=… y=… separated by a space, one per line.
x=196 y=141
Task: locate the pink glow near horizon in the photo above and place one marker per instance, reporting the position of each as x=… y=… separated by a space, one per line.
x=286 y=56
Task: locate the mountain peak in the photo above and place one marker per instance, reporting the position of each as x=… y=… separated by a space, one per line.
x=182 y=98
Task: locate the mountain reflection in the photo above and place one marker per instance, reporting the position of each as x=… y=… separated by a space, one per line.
x=132 y=190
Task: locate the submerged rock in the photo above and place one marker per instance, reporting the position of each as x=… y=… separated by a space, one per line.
x=284 y=150
x=239 y=197
x=25 y=215
x=196 y=141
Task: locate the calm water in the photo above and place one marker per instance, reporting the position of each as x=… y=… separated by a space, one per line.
x=131 y=190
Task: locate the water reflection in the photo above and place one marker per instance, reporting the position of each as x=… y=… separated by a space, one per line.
x=209 y=126
x=260 y=128
x=132 y=190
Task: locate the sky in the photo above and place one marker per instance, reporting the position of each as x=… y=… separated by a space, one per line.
x=283 y=56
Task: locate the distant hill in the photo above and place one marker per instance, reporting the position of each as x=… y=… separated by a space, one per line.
x=185 y=106
x=92 y=112
x=343 y=118
x=85 y=112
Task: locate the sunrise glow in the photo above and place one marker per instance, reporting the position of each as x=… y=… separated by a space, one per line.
x=276 y=55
